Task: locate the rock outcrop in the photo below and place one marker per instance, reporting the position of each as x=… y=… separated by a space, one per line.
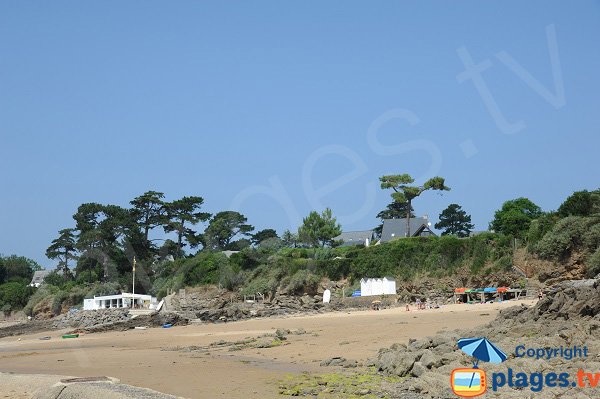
x=569 y=315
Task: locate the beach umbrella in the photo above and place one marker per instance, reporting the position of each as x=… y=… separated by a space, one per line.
x=482 y=349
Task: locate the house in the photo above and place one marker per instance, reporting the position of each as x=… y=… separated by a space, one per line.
x=396 y=228
x=349 y=238
x=377 y=286
x=38 y=277
x=123 y=300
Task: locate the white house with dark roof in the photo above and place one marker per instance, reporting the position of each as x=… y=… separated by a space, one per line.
x=396 y=228
x=349 y=238
x=38 y=277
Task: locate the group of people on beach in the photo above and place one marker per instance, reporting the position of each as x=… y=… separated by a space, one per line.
x=423 y=305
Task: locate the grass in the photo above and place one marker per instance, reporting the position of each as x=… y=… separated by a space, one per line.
x=367 y=384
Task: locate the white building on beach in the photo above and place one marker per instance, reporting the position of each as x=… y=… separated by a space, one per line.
x=377 y=286
x=124 y=300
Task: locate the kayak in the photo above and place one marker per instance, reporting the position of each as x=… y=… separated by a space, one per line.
x=167 y=325
x=71 y=336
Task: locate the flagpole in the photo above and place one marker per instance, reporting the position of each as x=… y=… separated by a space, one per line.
x=133 y=294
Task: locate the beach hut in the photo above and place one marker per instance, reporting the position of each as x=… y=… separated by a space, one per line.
x=377 y=286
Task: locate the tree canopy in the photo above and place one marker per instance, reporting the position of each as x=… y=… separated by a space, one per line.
x=319 y=229
x=515 y=216
x=223 y=228
x=406 y=192
x=264 y=236
x=581 y=203
x=181 y=215
x=63 y=249
x=455 y=221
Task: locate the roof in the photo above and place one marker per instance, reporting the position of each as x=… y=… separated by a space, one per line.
x=355 y=237
x=39 y=276
x=229 y=253
x=122 y=295
x=396 y=228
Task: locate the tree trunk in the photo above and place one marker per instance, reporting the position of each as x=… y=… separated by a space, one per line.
x=408 y=219
x=180 y=237
x=66 y=264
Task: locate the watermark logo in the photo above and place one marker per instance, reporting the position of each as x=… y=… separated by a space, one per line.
x=468 y=382
x=471 y=382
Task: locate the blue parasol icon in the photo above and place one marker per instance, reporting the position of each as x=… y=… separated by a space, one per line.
x=481 y=349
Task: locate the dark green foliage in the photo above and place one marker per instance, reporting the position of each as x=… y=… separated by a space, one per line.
x=319 y=229
x=149 y=210
x=182 y=214
x=223 y=228
x=455 y=221
x=264 y=235
x=581 y=203
x=14 y=296
x=406 y=257
x=63 y=249
x=17 y=268
x=514 y=217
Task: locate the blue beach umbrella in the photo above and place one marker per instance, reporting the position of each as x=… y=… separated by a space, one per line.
x=482 y=349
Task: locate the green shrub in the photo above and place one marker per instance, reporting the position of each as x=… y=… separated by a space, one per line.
x=539 y=228
x=570 y=233
x=303 y=281
x=14 y=296
x=594 y=264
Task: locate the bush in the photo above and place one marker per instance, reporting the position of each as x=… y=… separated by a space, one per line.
x=43 y=293
x=14 y=296
x=539 y=228
x=594 y=264
x=570 y=233
x=303 y=281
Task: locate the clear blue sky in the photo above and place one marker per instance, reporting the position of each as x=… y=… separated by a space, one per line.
x=101 y=101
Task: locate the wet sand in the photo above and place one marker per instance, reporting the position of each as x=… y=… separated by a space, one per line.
x=145 y=357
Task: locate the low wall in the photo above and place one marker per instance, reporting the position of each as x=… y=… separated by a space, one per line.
x=364 y=302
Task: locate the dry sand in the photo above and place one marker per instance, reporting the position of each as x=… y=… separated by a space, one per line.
x=138 y=357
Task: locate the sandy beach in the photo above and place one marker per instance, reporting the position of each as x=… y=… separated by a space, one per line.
x=158 y=359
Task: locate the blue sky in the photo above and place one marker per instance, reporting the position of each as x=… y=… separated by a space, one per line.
x=266 y=107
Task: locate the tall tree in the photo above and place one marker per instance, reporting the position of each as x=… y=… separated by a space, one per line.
x=149 y=211
x=183 y=213
x=405 y=192
x=454 y=220
x=394 y=210
x=100 y=229
x=289 y=239
x=319 y=229
x=223 y=228
x=63 y=249
x=264 y=235
x=515 y=216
